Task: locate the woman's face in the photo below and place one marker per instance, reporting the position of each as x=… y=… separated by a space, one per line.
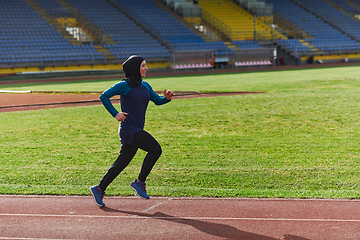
x=143 y=68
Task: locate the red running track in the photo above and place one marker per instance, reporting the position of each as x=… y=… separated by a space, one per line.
x=78 y=217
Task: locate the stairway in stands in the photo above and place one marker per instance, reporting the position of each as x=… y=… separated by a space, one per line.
x=100 y=40
x=293 y=31
x=50 y=20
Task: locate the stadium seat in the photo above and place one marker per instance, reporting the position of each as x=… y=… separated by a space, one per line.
x=168 y=28
x=27 y=37
x=130 y=38
x=323 y=36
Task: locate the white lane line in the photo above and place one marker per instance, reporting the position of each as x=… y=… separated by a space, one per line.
x=182 y=217
x=11 y=91
x=156 y=205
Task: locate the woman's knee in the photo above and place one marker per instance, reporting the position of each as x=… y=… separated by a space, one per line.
x=157 y=150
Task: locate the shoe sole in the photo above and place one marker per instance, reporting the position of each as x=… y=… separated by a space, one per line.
x=137 y=192
x=95 y=198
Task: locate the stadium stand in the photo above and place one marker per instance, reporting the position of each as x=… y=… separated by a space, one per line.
x=128 y=37
x=294 y=45
x=27 y=39
x=355 y=3
x=346 y=6
x=169 y=29
x=337 y=18
x=322 y=37
x=177 y=35
x=159 y=21
x=247 y=44
x=36 y=33
x=53 y=7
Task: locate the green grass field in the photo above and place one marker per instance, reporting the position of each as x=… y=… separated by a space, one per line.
x=298 y=140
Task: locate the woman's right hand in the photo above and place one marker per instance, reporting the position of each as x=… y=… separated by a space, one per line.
x=121 y=116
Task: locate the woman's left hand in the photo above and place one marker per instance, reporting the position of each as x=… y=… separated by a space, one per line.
x=168 y=94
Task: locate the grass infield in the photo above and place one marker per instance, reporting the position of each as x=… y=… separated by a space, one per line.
x=298 y=140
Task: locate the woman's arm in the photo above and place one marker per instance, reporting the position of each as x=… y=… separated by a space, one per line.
x=120 y=88
x=156 y=98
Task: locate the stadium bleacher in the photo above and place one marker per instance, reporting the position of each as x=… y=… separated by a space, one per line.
x=29 y=38
x=334 y=16
x=53 y=7
x=324 y=37
x=294 y=45
x=247 y=44
x=130 y=39
x=346 y=6
x=168 y=28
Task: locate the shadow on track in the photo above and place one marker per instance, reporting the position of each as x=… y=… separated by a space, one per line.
x=214 y=229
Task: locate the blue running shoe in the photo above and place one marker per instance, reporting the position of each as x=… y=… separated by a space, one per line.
x=139 y=188
x=98 y=195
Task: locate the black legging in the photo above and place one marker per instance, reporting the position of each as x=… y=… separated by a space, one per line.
x=142 y=140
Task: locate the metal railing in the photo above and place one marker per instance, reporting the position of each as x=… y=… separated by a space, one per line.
x=216 y=23
x=189 y=11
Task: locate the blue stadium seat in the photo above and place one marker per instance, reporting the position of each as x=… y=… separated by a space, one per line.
x=121 y=29
x=27 y=37
x=324 y=37
x=168 y=28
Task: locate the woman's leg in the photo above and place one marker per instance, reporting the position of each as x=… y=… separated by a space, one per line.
x=148 y=143
x=127 y=153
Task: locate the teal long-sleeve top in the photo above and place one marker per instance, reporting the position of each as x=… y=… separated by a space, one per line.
x=134 y=101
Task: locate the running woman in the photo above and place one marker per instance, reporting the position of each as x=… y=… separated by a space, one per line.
x=135 y=95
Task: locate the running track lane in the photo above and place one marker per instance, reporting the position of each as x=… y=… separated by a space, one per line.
x=35 y=101
x=77 y=217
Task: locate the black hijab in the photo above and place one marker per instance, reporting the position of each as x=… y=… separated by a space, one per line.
x=131 y=68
